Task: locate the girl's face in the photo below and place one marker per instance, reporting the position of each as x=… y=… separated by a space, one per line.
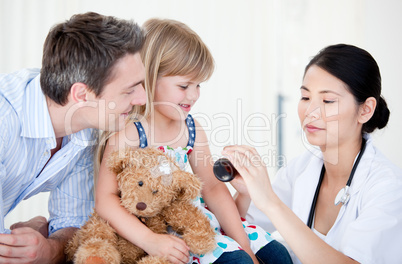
x=328 y=112
x=175 y=96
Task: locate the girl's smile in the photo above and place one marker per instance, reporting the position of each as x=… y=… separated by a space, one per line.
x=172 y=92
x=185 y=107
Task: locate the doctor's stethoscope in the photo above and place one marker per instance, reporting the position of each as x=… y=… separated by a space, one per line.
x=343 y=195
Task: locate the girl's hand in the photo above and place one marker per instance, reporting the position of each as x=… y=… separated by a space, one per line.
x=253 y=172
x=169 y=246
x=248 y=250
x=251 y=254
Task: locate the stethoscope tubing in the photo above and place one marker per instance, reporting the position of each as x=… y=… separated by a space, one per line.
x=345 y=196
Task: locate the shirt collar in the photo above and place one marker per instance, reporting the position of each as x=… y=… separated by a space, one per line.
x=85 y=138
x=36 y=122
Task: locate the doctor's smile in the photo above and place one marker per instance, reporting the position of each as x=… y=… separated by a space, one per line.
x=312 y=129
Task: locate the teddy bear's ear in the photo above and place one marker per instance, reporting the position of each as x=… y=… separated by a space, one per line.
x=119 y=160
x=189 y=186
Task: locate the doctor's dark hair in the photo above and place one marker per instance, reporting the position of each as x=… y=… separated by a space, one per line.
x=85 y=49
x=359 y=71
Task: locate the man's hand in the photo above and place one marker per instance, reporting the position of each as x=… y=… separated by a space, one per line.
x=29 y=243
x=38 y=223
x=25 y=245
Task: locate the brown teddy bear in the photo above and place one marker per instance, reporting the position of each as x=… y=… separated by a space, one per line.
x=154 y=189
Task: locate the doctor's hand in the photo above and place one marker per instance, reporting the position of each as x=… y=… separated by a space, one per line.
x=240 y=186
x=253 y=172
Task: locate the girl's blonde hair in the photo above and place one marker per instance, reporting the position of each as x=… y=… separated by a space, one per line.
x=171 y=48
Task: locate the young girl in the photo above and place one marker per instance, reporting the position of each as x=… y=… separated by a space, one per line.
x=342 y=202
x=176 y=62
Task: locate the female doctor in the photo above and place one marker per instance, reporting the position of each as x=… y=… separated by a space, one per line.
x=340 y=203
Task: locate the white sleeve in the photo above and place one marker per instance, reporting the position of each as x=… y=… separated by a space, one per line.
x=376 y=234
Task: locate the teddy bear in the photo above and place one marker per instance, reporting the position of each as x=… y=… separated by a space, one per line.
x=155 y=190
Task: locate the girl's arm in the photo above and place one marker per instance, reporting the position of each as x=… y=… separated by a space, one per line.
x=241 y=197
x=107 y=204
x=307 y=246
x=216 y=194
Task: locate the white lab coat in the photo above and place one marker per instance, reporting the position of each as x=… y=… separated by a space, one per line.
x=369 y=227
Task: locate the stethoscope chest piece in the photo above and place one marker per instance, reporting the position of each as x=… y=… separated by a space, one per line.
x=342 y=196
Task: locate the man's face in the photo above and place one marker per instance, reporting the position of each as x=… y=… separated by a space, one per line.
x=120 y=95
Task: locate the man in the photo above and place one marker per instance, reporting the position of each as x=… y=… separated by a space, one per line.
x=91 y=78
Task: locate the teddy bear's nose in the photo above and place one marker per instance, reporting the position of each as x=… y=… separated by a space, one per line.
x=141 y=206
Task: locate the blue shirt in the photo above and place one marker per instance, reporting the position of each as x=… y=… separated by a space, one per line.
x=26 y=140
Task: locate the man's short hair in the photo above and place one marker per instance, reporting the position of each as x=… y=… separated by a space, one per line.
x=85 y=49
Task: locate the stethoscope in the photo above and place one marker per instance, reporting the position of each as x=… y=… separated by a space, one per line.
x=343 y=195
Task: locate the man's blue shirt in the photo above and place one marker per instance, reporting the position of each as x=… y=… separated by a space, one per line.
x=26 y=140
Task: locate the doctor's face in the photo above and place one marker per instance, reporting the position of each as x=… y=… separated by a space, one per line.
x=327 y=110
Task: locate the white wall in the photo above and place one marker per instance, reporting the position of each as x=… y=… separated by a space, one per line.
x=260 y=48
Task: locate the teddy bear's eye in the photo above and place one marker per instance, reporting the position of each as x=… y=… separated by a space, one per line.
x=155 y=192
x=140 y=183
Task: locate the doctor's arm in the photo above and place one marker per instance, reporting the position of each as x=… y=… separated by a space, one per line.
x=307 y=246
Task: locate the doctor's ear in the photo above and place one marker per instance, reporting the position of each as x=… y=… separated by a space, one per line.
x=366 y=110
x=79 y=92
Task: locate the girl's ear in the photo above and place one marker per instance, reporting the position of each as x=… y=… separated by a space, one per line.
x=79 y=92
x=366 y=110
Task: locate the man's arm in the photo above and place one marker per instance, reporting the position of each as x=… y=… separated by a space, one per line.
x=59 y=240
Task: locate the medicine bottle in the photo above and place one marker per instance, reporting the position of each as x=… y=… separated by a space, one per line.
x=224 y=170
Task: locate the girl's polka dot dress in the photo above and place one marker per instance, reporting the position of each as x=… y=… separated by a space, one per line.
x=258 y=237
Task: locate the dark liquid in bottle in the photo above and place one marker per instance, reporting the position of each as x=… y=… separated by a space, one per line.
x=224 y=170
